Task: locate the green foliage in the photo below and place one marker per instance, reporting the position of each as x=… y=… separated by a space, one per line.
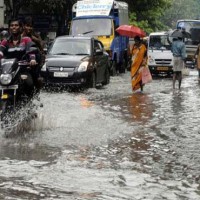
x=150 y=15
x=181 y=9
x=147 y=13
x=51 y=6
x=143 y=24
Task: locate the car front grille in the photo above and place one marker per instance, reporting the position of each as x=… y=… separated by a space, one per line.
x=58 y=69
x=163 y=61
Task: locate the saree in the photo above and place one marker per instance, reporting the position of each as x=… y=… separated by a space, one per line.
x=138 y=60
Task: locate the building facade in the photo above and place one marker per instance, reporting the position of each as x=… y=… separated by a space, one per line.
x=2 y=8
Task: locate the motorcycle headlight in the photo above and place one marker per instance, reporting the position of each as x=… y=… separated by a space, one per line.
x=44 y=68
x=5 y=79
x=83 y=66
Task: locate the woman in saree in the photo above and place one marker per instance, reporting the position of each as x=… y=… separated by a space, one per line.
x=139 y=59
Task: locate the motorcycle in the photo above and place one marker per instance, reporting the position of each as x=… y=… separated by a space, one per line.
x=16 y=83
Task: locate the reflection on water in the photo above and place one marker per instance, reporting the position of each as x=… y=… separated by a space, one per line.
x=140 y=106
x=130 y=149
x=85 y=103
x=177 y=103
x=137 y=108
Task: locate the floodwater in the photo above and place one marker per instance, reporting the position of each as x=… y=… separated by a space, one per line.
x=107 y=144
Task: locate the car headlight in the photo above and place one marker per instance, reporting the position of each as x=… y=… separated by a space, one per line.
x=6 y=79
x=44 y=68
x=83 y=66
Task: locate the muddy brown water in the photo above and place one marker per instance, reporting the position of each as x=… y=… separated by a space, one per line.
x=107 y=143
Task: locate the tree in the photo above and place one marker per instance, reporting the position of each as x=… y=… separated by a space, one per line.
x=58 y=8
x=181 y=9
x=13 y=6
x=143 y=13
x=147 y=13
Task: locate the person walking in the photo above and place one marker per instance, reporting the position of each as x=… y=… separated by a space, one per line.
x=179 y=56
x=139 y=60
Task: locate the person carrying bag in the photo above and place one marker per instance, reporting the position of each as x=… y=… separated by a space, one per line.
x=139 y=68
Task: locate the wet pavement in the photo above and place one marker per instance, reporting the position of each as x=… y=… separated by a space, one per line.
x=107 y=143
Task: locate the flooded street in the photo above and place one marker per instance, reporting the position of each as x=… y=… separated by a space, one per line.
x=108 y=144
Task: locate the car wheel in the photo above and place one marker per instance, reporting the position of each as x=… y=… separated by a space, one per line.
x=113 y=71
x=93 y=82
x=107 y=77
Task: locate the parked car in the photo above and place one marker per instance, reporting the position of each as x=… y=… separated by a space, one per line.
x=76 y=61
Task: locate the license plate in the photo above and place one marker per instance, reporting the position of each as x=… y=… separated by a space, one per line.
x=11 y=87
x=162 y=68
x=60 y=74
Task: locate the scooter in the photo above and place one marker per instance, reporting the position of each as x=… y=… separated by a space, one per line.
x=16 y=83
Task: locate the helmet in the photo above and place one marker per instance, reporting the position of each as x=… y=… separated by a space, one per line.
x=4 y=34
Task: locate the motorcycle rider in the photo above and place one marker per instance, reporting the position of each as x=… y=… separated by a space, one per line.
x=16 y=40
x=40 y=57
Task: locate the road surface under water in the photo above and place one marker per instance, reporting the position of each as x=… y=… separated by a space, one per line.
x=107 y=144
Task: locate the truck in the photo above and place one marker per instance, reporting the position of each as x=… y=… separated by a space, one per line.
x=160 y=57
x=100 y=18
x=191 y=26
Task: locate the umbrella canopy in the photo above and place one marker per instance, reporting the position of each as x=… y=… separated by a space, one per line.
x=179 y=33
x=130 y=31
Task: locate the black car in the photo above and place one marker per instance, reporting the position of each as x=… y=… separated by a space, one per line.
x=76 y=61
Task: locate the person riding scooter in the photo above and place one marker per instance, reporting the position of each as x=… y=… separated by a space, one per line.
x=16 y=40
x=28 y=31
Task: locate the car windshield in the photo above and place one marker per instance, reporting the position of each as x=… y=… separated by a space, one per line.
x=71 y=47
x=91 y=27
x=159 y=42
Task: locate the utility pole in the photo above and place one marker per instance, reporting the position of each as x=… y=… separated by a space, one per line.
x=2 y=8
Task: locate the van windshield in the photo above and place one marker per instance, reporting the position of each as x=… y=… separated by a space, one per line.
x=159 y=42
x=95 y=27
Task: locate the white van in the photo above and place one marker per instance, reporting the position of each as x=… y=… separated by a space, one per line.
x=160 y=58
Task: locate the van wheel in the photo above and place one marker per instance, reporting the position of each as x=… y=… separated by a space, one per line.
x=107 y=77
x=113 y=70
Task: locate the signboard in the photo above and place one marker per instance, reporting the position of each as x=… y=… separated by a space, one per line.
x=93 y=7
